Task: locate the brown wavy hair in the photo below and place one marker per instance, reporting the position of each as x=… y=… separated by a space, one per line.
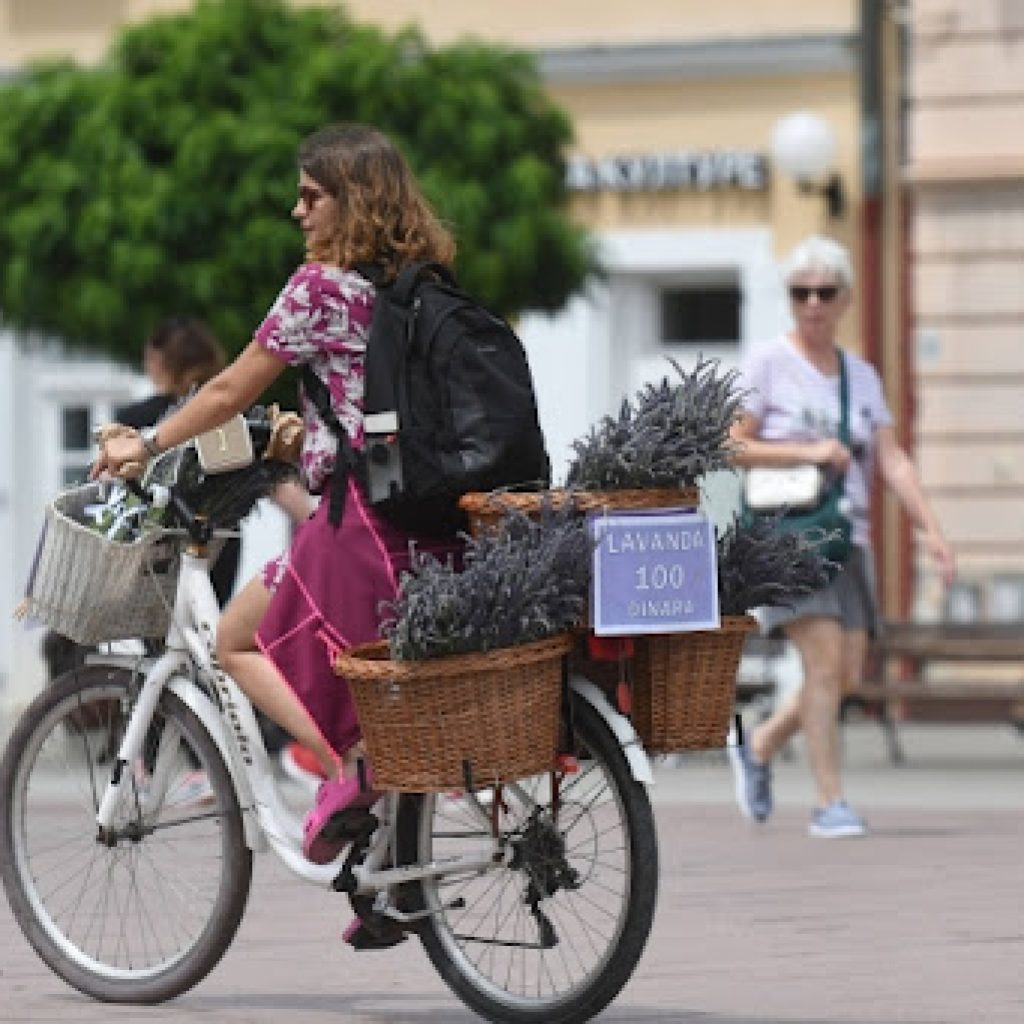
x=383 y=217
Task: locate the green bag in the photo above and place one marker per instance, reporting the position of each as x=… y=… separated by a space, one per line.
x=826 y=527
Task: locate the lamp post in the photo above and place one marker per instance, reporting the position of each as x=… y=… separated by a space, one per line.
x=803 y=146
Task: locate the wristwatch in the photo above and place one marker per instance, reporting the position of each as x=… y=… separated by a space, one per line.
x=148 y=438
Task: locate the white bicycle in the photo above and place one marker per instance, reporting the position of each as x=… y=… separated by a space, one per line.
x=533 y=899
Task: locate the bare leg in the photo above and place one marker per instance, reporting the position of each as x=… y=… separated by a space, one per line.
x=855 y=651
x=820 y=643
x=769 y=736
x=260 y=680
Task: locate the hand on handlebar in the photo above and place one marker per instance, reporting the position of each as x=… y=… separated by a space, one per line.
x=121 y=452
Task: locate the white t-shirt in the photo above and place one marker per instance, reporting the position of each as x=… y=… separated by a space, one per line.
x=794 y=401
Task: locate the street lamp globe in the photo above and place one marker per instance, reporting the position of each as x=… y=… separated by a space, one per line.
x=803 y=145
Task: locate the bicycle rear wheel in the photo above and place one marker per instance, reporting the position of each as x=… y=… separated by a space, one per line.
x=554 y=932
x=143 y=918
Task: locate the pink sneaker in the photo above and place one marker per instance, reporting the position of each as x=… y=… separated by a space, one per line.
x=340 y=813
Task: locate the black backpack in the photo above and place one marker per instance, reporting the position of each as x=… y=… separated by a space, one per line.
x=449 y=405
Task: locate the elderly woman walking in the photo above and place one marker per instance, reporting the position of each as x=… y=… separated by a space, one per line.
x=791 y=417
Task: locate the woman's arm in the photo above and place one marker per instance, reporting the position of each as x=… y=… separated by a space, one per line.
x=234 y=389
x=899 y=474
x=752 y=451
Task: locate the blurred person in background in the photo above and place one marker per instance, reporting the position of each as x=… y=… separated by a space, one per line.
x=791 y=417
x=180 y=355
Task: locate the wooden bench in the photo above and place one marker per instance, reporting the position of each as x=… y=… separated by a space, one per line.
x=905 y=685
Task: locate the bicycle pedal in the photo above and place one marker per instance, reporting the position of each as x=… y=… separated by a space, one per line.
x=363 y=939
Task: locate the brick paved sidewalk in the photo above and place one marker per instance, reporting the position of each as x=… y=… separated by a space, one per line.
x=921 y=923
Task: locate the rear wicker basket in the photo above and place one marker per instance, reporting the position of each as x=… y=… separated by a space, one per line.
x=498 y=711
x=485 y=509
x=685 y=686
x=92 y=589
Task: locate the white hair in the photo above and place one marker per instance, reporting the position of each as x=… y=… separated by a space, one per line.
x=821 y=254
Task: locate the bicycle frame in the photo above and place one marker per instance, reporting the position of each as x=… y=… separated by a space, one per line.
x=189 y=661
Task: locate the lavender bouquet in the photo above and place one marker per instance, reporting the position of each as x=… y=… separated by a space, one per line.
x=668 y=436
x=523 y=581
x=758 y=564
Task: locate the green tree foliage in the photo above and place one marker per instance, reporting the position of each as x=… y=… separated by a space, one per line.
x=162 y=181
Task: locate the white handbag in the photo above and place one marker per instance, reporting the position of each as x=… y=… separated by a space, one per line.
x=773 y=488
x=226 y=447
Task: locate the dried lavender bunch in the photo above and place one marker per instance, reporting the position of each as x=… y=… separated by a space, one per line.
x=667 y=436
x=759 y=564
x=525 y=580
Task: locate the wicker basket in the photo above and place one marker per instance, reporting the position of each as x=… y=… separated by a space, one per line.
x=92 y=589
x=422 y=720
x=485 y=508
x=685 y=686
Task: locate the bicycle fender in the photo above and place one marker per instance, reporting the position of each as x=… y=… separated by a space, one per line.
x=621 y=727
x=201 y=706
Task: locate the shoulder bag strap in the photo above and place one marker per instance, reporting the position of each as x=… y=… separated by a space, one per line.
x=345 y=460
x=844 y=416
x=844 y=399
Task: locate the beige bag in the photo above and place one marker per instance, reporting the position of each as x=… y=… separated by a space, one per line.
x=226 y=447
x=777 y=488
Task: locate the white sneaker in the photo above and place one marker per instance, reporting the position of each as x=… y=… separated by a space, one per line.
x=837 y=821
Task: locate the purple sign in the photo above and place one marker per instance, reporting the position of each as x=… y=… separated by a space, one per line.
x=654 y=572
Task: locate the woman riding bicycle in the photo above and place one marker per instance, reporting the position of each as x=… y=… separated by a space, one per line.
x=358 y=202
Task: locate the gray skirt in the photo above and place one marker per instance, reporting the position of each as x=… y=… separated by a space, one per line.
x=849 y=598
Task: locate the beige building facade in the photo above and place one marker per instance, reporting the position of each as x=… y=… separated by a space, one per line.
x=966 y=174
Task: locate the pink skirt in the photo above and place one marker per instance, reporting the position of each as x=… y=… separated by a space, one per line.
x=334 y=594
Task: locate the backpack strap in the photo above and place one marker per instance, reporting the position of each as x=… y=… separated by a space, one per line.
x=346 y=460
x=410 y=276
x=404 y=285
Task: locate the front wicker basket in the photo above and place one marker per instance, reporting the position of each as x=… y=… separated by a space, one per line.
x=422 y=721
x=92 y=589
x=485 y=509
x=684 y=688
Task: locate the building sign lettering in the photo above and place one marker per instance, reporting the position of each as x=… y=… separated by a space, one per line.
x=653 y=172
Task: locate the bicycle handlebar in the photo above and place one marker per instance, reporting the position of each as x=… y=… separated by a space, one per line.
x=197 y=527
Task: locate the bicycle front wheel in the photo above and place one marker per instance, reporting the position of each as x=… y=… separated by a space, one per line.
x=554 y=931
x=146 y=913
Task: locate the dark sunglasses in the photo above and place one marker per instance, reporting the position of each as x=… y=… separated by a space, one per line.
x=311 y=196
x=825 y=292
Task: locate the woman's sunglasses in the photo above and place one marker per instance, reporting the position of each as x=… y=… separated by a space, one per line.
x=311 y=196
x=802 y=292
